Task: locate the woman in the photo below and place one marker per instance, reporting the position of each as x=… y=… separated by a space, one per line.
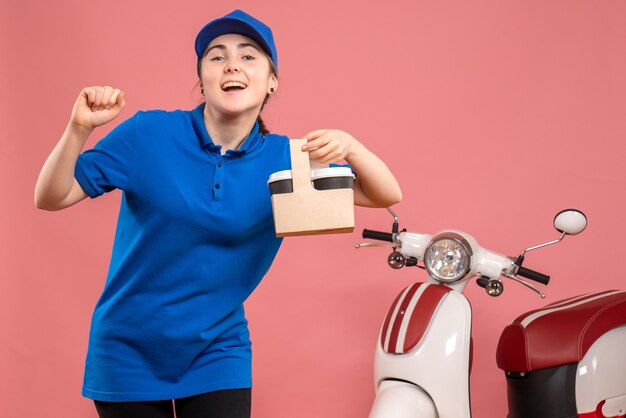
x=195 y=233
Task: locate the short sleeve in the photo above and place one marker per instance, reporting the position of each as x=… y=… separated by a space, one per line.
x=108 y=165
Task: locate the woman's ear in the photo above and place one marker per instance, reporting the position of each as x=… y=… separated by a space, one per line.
x=273 y=84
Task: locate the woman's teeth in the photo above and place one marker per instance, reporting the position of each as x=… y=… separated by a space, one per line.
x=233 y=85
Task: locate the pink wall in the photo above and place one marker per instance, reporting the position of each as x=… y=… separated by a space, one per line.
x=493 y=115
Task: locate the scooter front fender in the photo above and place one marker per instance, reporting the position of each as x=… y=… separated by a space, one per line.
x=439 y=363
x=396 y=399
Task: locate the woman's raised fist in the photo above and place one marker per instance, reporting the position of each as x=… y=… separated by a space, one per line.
x=96 y=106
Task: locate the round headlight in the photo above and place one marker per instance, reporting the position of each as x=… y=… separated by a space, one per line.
x=448 y=257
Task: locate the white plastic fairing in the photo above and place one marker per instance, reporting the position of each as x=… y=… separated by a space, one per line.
x=439 y=364
x=601 y=375
x=484 y=262
x=570 y=221
x=413 y=244
x=402 y=400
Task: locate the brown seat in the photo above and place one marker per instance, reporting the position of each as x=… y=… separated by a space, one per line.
x=560 y=333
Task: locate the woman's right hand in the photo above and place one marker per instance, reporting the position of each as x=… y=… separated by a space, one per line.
x=96 y=106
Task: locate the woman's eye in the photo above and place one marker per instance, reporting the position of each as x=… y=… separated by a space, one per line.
x=248 y=57
x=217 y=58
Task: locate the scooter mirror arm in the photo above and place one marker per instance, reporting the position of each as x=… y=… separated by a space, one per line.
x=525 y=283
x=543 y=245
x=395 y=226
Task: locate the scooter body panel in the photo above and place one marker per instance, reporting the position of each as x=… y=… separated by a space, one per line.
x=439 y=362
x=600 y=375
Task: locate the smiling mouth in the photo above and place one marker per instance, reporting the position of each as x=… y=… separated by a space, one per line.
x=233 y=85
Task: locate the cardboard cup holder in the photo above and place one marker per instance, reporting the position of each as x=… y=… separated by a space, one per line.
x=309 y=201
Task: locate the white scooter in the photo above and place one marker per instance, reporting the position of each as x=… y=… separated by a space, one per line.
x=566 y=360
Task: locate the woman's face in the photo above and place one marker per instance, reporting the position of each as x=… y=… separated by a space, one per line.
x=236 y=75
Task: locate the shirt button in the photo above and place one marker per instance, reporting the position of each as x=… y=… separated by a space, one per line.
x=219 y=164
x=217 y=185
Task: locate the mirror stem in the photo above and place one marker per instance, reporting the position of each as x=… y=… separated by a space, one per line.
x=544 y=244
x=394 y=227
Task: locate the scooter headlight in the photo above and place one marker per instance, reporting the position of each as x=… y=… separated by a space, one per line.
x=448 y=257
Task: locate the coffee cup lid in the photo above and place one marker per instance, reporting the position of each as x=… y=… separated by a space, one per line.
x=279 y=175
x=320 y=173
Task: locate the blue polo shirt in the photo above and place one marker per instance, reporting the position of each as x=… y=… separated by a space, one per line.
x=194 y=237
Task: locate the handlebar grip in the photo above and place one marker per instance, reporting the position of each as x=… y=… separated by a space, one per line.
x=381 y=236
x=533 y=275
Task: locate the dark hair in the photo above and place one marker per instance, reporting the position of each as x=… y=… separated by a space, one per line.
x=262 y=128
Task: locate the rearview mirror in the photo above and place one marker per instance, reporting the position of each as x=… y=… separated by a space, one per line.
x=570 y=221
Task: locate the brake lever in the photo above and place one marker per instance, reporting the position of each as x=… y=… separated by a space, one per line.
x=375 y=244
x=525 y=283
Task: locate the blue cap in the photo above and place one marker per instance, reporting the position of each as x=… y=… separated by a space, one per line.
x=243 y=24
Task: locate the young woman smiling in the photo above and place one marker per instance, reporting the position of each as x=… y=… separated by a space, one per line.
x=195 y=232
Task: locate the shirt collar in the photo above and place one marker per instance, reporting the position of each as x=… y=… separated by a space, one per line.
x=197 y=120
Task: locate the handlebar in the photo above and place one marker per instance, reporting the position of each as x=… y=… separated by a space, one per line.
x=533 y=275
x=378 y=235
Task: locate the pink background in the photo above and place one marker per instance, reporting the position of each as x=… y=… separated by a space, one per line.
x=492 y=114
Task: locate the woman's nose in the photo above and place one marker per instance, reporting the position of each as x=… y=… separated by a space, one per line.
x=232 y=68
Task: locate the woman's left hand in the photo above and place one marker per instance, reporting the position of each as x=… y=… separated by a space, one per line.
x=328 y=146
x=374 y=186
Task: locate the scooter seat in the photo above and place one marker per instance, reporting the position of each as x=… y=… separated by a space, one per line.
x=560 y=333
